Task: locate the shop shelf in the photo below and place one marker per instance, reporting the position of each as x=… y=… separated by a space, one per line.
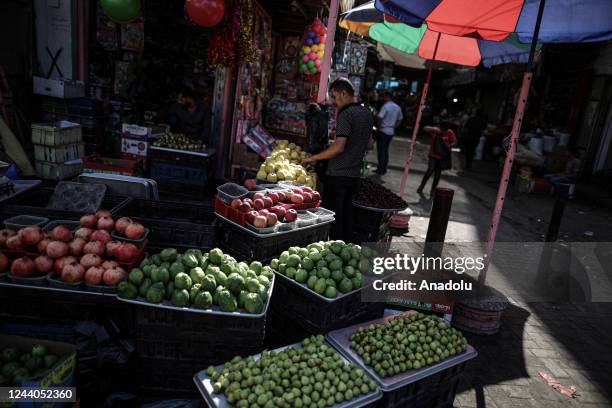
x=431 y=386
x=247 y=245
x=318 y=314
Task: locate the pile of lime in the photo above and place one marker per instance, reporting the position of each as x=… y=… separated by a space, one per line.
x=326 y=267
x=313 y=375
x=407 y=342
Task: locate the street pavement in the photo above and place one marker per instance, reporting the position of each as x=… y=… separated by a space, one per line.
x=571 y=342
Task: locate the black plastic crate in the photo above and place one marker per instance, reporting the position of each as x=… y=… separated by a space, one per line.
x=178 y=211
x=177 y=172
x=203 y=338
x=371 y=226
x=34 y=202
x=246 y=247
x=318 y=316
x=436 y=391
x=282 y=330
x=167 y=379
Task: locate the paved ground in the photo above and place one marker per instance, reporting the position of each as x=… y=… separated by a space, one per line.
x=570 y=342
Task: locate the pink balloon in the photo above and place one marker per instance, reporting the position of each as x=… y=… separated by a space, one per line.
x=306 y=58
x=313 y=55
x=318 y=63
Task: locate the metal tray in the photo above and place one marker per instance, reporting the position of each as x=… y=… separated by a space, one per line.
x=128 y=186
x=72 y=225
x=115 y=235
x=267 y=235
x=56 y=282
x=37 y=281
x=383 y=210
x=53 y=289
x=340 y=295
x=339 y=339
x=21 y=186
x=204 y=153
x=322 y=214
x=205 y=385
x=22 y=221
x=169 y=306
x=77 y=197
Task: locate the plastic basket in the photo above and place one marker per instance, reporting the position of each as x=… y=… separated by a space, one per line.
x=305 y=219
x=322 y=214
x=178 y=211
x=239 y=243
x=22 y=221
x=317 y=314
x=174 y=172
x=230 y=191
x=71 y=225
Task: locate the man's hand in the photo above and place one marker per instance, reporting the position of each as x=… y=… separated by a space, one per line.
x=309 y=160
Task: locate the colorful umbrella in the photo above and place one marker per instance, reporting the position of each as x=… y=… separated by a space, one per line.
x=532 y=21
x=366 y=20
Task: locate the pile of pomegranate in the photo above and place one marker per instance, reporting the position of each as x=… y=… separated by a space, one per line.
x=89 y=254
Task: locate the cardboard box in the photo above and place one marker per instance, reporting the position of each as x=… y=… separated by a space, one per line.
x=135 y=139
x=58 y=88
x=62 y=374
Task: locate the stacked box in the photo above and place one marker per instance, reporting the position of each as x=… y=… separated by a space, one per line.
x=56 y=145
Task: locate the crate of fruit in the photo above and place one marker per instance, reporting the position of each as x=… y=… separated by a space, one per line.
x=326 y=379
x=180 y=296
x=320 y=285
x=429 y=358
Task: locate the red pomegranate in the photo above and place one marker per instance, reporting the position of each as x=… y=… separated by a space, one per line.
x=126 y=252
x=106 y=223
x=122 y=224
x=76 y=246
x=43 y=264
x=103 y=213
x=112 y=277
x=23 y=267
x=57 y=249
x=94 y=247
x=61 y=233
x=89 y=260
x=109 y=264
x=89 y=221
x=42 y=245
x=72 y=272
x=101 y=235
x=30 y=236
x=15 y=243
x=111 y=248
x=59 y=263
x=4 y=262
x=84 y=233
x=135 y=231
x=4 y=235
x=93 y=275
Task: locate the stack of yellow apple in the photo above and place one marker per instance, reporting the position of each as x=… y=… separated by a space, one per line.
x=283 y=164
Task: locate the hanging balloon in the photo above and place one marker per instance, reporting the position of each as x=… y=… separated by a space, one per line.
x=318 y=63
x=300 y=53
x=306 y=50
x=317 y=40
x=121 y=11
x=323 y=38
x=205 y=13
x=313 y=56
x=305 y=58
x=314 y=70
x=309 y=41
x=303 y=68
x=312 y=34
x=310 y=64
x=320 y=54
x=315 y=48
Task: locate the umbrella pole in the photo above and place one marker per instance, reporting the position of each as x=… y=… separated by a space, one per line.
x=417 y=122
x=329 y=50
x=516 y=130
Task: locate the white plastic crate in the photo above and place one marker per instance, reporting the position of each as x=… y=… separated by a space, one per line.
x=59 y=154
x=55 y=134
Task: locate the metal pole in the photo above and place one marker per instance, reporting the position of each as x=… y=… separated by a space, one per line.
x=329 y=51
x=438 y=221
x=417 y=122
x=516 y=130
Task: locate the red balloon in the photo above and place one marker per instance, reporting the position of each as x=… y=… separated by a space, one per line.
x=206 y=13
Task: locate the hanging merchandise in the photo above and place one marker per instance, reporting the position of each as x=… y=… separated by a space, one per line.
x=121 y=11
x=221 y=49
x=312 y=49
x=205 y=13
x=246 y=42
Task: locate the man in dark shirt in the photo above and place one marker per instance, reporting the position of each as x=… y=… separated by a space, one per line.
x=353 y=135
x=190 y=117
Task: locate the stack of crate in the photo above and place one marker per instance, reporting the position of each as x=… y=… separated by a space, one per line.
x=56 y=147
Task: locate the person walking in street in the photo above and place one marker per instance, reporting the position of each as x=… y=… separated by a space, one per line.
x=471 y=136
x=354 y=127
x=442 y=139
x=388 y=119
